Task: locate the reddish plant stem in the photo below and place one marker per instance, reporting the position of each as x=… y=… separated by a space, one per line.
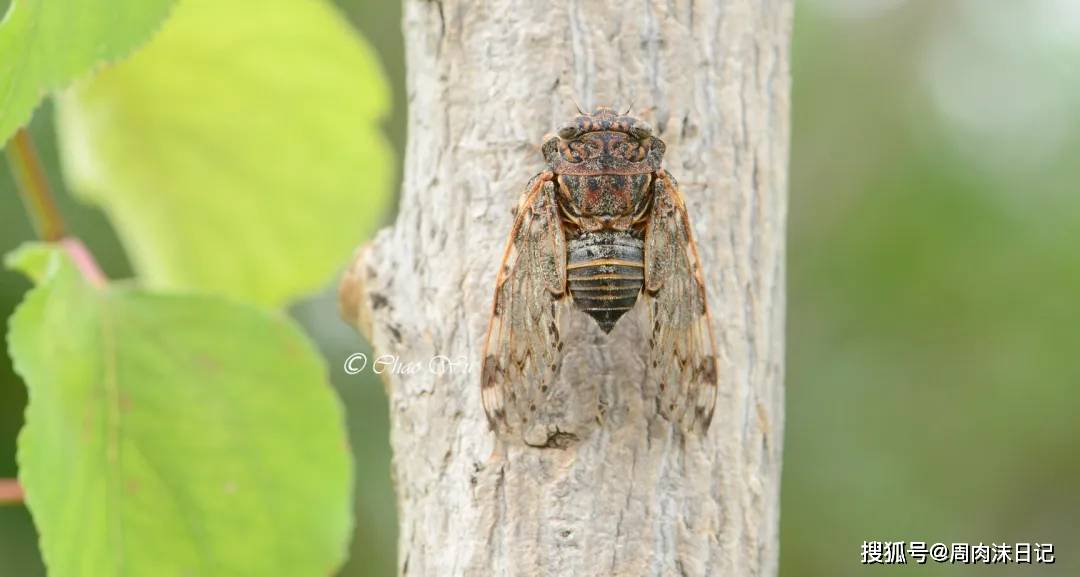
x=34 y=187
x=37 y=197
x=84 y=261
x=10 y=492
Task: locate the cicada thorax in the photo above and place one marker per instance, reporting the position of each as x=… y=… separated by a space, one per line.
x=605 y=271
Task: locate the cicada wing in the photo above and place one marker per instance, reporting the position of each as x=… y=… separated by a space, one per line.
x=682 y=355
x=522 y=350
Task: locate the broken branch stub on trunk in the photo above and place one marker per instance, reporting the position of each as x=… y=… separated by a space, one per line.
x=597 y=481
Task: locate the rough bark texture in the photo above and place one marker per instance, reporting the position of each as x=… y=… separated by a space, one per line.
x=625 y=494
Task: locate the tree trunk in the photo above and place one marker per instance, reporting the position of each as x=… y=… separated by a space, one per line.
x=622 y=491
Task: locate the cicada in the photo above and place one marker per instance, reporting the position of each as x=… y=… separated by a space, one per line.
x=601 y=229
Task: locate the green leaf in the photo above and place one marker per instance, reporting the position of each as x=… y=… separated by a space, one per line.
x=32 y=259
x=239 y=152
x=46 y=44
x=174 y=435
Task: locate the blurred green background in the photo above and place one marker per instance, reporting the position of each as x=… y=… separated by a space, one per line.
x=934 y=270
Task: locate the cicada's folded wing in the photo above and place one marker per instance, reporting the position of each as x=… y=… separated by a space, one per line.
x=682 y=357
x=522 y=350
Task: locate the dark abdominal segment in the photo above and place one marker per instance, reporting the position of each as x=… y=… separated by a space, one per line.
x=605 y=272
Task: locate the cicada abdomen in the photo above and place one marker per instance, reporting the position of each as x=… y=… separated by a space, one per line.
x=605 y=273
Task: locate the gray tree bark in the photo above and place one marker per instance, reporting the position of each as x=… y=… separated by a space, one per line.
x=621 y=491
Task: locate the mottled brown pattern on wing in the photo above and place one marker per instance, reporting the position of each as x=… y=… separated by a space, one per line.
x=522 y=350
x=682 y=355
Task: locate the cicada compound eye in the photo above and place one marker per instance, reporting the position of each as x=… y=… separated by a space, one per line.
x=570 y=131
x=641 y=130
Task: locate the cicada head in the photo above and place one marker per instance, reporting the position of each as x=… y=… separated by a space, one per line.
x=604 y=142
